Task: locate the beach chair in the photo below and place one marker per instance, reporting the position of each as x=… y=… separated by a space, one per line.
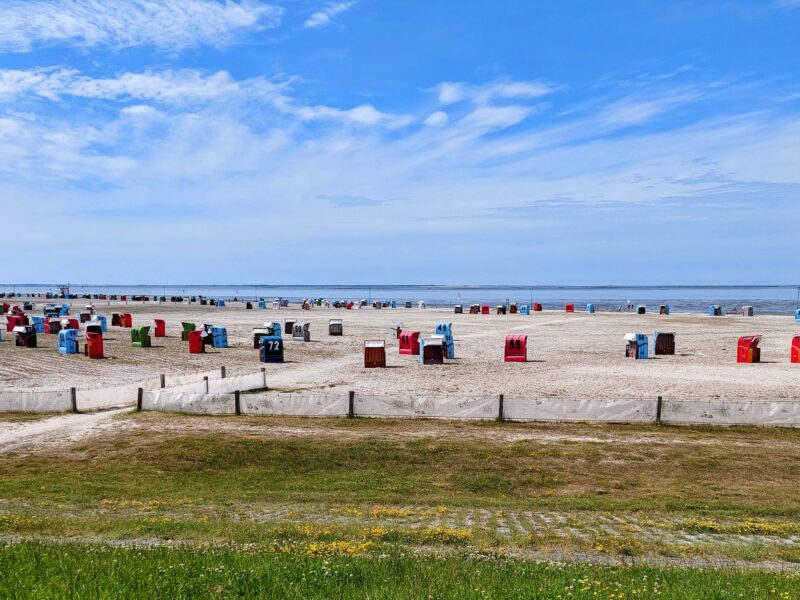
x=187 y=329
x=140 y=337
x=374 y=354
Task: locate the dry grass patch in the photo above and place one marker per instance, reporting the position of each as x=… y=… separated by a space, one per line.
x=25 y=417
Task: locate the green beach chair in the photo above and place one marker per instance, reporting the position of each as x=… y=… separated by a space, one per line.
x=140 y=337
x=187 y=328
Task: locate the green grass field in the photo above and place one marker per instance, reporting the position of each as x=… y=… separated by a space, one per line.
x=734 y=471
x=470 y=506
x=74 y=571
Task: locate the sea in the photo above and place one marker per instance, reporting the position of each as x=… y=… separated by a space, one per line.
x=765 y=299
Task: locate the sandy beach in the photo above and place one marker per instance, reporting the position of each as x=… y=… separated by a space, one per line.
x=570 y=355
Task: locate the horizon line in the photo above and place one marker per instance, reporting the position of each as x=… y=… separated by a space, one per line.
x=421 y=286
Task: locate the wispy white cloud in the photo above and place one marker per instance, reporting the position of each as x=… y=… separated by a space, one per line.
x=437 y=119
x=169 y=25
x=167 y=86
x=640 y=109
x=323 y=17
x=348 y=173
x=476 y=110
x=365 y=114
x=496 y=117
x=211 y=140
x=183 y=88
x=453 y=92
x=142 y=112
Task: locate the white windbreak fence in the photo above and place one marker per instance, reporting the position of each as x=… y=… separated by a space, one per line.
x=193 y=394
x=731 y=412
x=242 y=383
x=124 y=395
x=426 y=407
x=183 y=402
x=35 y=402
x=198 y=387
x=99 y=398
x=567 y=409
x=189 y=397
x=295 y=404
x=171 y=381
x=610 y=410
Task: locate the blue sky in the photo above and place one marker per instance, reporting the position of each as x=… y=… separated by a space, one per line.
x=367 y=141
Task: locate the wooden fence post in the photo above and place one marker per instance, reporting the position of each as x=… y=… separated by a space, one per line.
x=500 y=416
x=658 y=410
x=351 y=405
x=139 y=397
x=222 y=371
x=163 y=381
x=205 y=378
x=237 y=395
x=73 y=399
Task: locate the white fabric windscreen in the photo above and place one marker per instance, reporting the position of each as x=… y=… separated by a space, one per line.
x=241 y=383
x=784 y=413
x=565 y=409
x=175 y=380
x=426 y=407
x=198 y=387
x=89 y=399
x=184 y=402
x=126 y=395
x=294 y=404
x=35 y=402
x=102 y=398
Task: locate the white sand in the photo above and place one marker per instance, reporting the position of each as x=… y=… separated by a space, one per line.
x=576 y=355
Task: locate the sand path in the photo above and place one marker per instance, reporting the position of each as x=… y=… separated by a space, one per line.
x=56 y=430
